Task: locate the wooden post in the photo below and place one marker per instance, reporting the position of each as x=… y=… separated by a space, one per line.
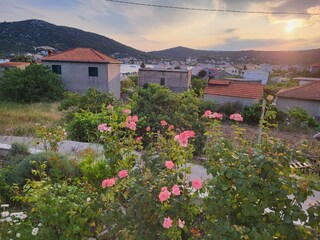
x=261 y=120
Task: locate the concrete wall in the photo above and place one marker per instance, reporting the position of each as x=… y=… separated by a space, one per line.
x=256 y=75
x=225 y=99
x=177 y=81
x=312 y=107
x=76 y=77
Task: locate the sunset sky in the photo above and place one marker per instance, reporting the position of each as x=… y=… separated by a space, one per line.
x=148 y=28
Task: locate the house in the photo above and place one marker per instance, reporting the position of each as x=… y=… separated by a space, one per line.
x=12 y=65
x=223 y=91
x=176 y=79
x=233 y=71
x=256 y=74
x=314 y=67
x=304 y=80
x=82 y=68
x=306 y=96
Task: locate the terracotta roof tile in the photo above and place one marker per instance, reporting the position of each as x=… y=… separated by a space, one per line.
x=309 y=91
x=236 y=89
x=14 y=64
x=81 y=55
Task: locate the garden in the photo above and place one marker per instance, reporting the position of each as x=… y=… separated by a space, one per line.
x=139 y=186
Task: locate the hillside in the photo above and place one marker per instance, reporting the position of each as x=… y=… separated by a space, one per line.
x=304 y=57
x=23 y=36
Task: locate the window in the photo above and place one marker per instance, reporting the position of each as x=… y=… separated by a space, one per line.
x=56 y=69
x=93 y=71
x=162 y=80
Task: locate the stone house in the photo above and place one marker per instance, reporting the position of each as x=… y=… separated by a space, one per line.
x=306 y=96
x=82 y=68
x=176 y=80
x=224 y=91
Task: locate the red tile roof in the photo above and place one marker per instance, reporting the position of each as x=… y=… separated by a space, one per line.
x=235 y=89
x=14 y=64
x=219 y=82
x=81 y=55
x=309 y=91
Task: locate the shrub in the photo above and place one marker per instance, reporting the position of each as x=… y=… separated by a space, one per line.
x=17 y=153
x=251 y=114
x=208 y=105
x=230 y=107
x=36 y=83
x=198 y=86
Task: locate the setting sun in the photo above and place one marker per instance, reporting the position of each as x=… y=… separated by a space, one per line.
x=291 y=26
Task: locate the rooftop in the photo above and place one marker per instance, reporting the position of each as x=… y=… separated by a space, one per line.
x=14 y=64
x=81 y=55
x=309 y=91
x=163 y=70
x=234 y=89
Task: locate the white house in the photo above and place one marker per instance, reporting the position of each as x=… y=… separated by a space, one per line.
x=82 y=68
x=256 y=74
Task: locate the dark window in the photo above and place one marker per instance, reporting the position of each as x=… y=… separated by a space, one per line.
x=162 y=81
x=93 y=71
x=56 y=69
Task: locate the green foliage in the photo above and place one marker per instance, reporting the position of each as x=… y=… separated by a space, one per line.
x=34 y=84
x=50 y=137
x=202 y=74
x=17 y=153
x=129 y=85
x=273 y=87
x=251 y=114
x=230 y=108
x=22 y=58
x=198 y=86
x=208 y=105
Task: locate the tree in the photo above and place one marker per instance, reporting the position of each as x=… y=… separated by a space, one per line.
x=22 y=58
x=34 y=84
x=142 y=65
x=198 y=86
x=202 y=74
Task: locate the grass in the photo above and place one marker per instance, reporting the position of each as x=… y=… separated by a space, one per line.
x=20 y=119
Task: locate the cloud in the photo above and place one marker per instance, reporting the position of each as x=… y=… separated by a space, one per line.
x=229 y=30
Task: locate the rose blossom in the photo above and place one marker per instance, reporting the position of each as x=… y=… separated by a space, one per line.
x=167 y=222
x=104 y=127
x=207 y=113
x=196 y=184
x=217 y=115
x=176 y=190
x=236 y=117
x=169 y=164
x=123 y=173
x=138 y=139
x=163 y=123
x=126 y=111
x=148 y=129
x=183 y=137
x=181 y=223
x=171 y=127
x=109 y=182
x=164 y=194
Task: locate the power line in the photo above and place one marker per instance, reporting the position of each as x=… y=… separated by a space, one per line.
x=211 y=10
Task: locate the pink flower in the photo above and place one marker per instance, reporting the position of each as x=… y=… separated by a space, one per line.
x=171 y=127
x=148 y=129
x=132 y=118
x=207 y=113
x=183 y=137
x=109 y=107
x=123 y=173
x=169 y=164
x=163 y=123
x=108 y=182
x=104 y=127
x=131 y=125
x=181 y=223
x=217 y=115
x=176 y=190
x=164 y=194
x=138 y=139
x=196 y=184
x=167 y=222
x=236 y=117
x=126 y=111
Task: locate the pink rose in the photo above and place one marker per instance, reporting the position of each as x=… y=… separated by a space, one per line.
x=163 y=123
x=126 y=111
x=131 y=125
x=169 y=164
x=180 y=223
x=183 y=137
x=236 y=117
x=123 y=173
x=138 y=139
x=171 y=127
x=217 y=115
x=104 y=127
x=132 y=118
x=176 y=190
x=148 y=129
x=108 y=182
x=207 y=113
x=167 y=223
x=196 y=184
x=164 y=194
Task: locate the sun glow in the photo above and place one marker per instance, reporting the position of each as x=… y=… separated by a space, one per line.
x=291 y=26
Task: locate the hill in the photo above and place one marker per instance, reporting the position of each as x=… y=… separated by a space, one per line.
x=23 y=36
x=303 y=57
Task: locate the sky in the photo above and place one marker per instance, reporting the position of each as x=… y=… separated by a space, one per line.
x=148 y=28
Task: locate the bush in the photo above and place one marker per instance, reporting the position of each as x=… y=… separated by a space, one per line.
x=198 y=86
x=36 y=83
x=230 y=107
x=17 y=153
x=251 y=114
